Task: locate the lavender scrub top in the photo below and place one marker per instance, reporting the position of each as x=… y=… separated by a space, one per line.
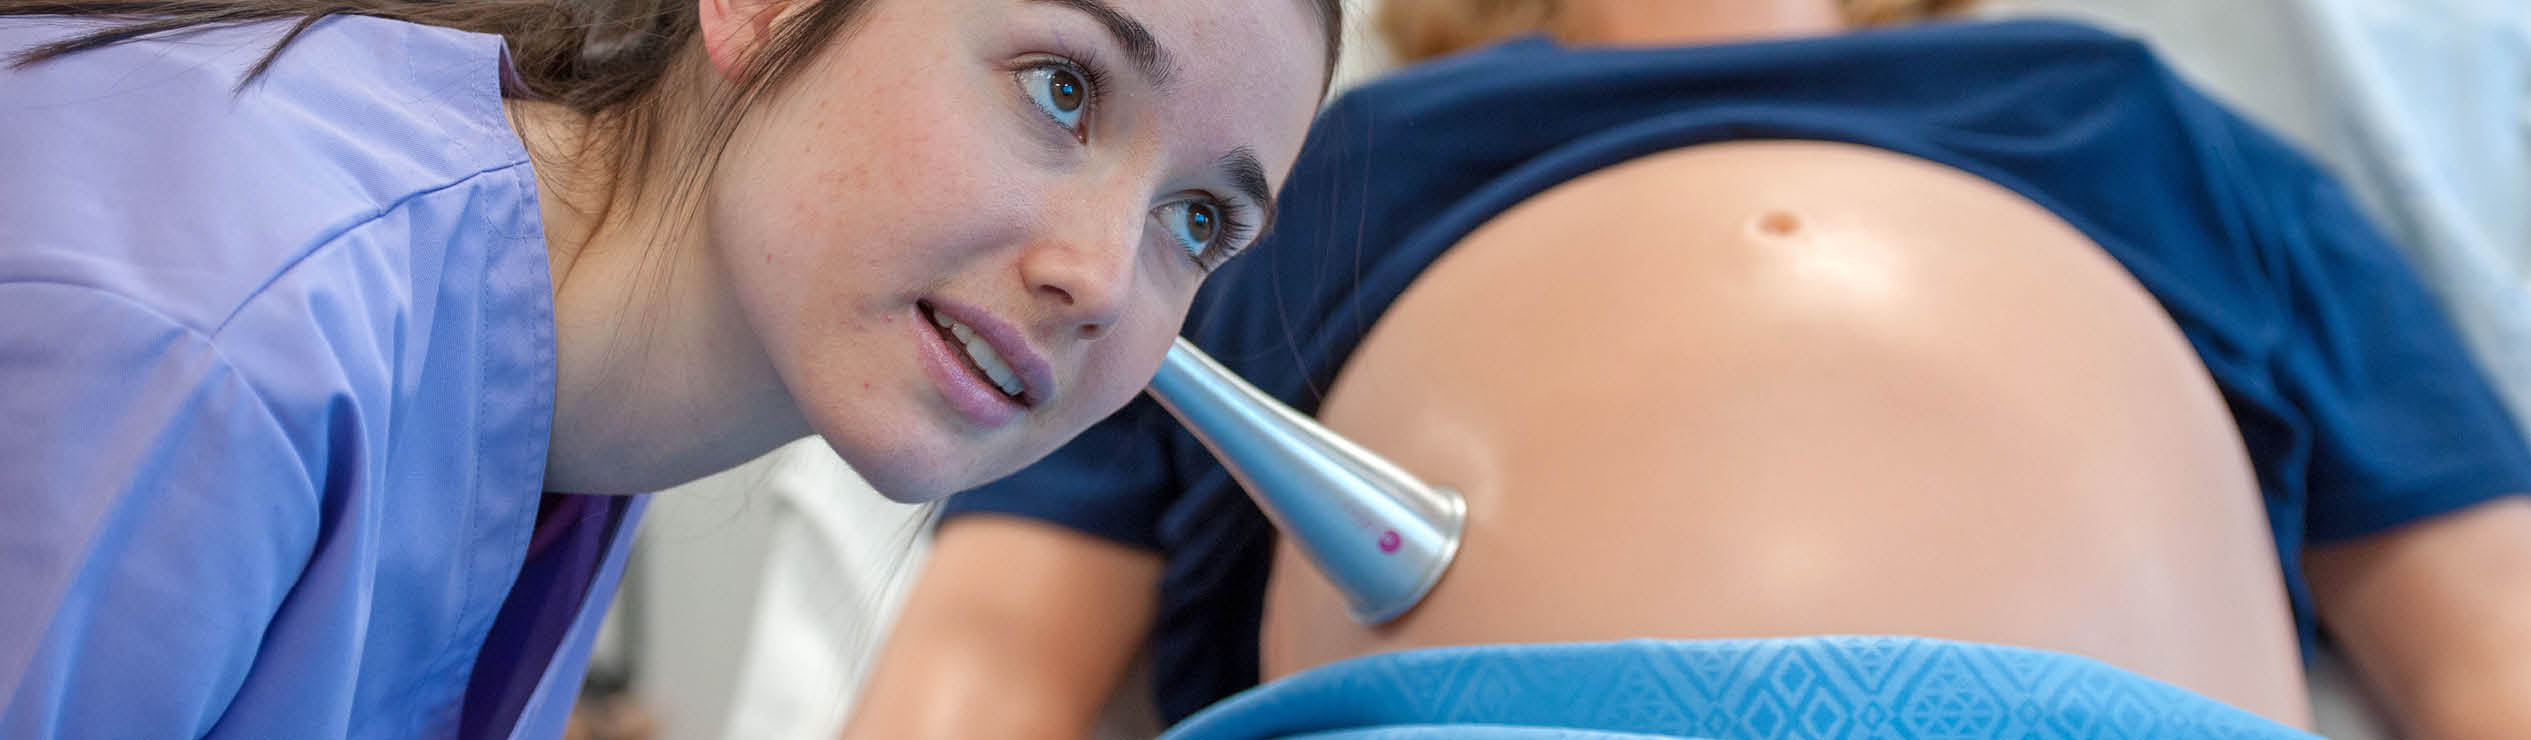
x=276 y=379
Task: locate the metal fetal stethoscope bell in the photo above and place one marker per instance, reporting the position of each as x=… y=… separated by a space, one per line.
x=1382 y=536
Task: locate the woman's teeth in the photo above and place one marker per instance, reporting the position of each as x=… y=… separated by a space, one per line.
x=981 y=353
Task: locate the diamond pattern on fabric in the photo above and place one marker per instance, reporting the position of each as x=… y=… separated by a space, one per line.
x=1819 y=688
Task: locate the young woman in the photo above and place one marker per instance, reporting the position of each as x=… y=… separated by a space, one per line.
x=306 y=305
x=1733 y=322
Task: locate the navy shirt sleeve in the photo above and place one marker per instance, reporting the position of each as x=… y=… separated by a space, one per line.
x=2404 y=424
x=1112 y=482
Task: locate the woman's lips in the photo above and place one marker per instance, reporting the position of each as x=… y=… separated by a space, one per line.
x=1017 y=358
x=968 y=391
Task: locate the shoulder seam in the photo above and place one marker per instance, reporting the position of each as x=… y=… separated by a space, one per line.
x=335 y=235
x=208 y=342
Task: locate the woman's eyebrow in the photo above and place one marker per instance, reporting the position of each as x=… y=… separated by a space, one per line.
x=1145 y=51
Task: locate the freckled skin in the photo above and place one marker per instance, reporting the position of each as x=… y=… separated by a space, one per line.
x=909 y=164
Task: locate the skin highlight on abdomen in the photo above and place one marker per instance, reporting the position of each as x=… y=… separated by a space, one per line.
x=1795 y=388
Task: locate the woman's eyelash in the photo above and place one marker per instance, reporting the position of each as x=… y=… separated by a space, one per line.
x=1236 y=227
x=1236 y=231
x=1091 y=76
x=1097 y=79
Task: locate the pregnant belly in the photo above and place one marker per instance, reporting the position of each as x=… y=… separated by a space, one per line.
x=1775 y=388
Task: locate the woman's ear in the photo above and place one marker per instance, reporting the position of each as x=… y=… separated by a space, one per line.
x=734 y=31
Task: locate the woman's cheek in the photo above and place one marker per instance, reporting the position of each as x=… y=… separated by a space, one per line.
x=1136 y=362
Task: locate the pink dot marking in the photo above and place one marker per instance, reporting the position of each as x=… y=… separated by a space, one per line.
x=1389 y=541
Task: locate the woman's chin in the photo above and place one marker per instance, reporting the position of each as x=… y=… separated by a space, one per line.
x=914 y=494
x=923 y=460
x=912 y=479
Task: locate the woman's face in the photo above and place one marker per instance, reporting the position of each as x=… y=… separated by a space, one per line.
x=971 y=228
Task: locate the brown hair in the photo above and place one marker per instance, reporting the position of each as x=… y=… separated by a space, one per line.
x=607 y=59
x=1422 y=29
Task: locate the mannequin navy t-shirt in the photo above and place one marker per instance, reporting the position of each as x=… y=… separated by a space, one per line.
x=2359 y=408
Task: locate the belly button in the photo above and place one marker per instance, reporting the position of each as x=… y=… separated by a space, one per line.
x=1776 y=224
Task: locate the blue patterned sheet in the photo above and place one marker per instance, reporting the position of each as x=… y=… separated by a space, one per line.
x=1865 y=688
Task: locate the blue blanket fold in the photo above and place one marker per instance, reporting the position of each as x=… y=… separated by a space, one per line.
x=1867 y=688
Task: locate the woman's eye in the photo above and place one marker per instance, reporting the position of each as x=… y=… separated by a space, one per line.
x=1197 y=226
x=1058 y=91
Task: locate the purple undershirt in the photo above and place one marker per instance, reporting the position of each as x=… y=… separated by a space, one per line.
x=563 y=556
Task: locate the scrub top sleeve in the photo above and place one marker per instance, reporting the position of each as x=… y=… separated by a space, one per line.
x=153 y=515
x=2405 y=424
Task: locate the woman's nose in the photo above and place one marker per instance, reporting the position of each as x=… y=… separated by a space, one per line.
x=1085 y=280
